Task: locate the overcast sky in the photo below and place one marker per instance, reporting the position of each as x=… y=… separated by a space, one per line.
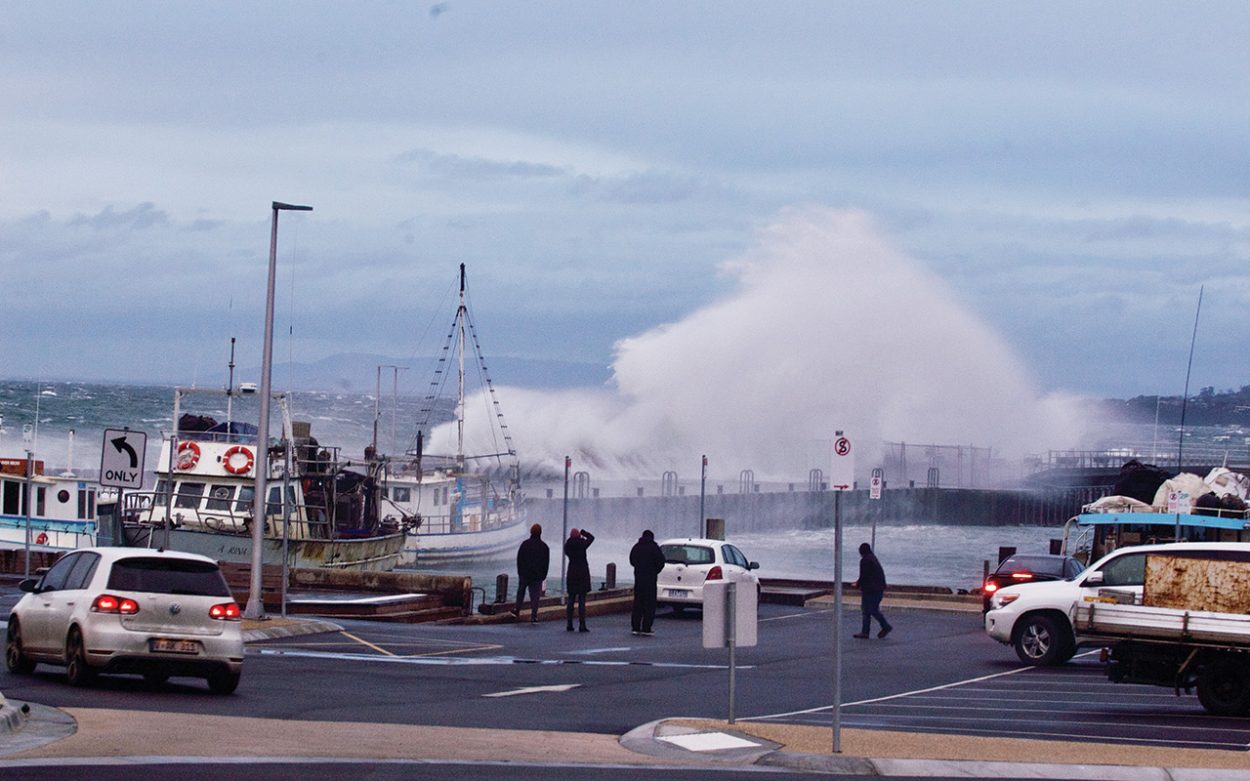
x=1072 y=173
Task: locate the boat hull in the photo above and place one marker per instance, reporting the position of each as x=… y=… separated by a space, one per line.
x=450 y=547
x=370 y=554
x=46 y=534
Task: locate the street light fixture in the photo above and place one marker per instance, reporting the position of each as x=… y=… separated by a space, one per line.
x=255 y=601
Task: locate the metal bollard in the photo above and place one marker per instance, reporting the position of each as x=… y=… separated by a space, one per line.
x=610 y=582
x=501 y=589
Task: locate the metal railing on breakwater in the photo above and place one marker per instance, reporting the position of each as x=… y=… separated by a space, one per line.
x=671 y=516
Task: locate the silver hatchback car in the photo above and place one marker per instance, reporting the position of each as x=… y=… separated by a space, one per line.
x=129 y=610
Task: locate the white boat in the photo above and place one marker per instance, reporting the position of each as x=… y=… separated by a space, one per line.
x=62 y=509
x=460 y=507
x=203 y=502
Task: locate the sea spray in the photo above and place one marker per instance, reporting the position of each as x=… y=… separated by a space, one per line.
x=828 y=327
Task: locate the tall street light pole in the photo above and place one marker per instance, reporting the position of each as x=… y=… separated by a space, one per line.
x=702 y=493
x=255 y=600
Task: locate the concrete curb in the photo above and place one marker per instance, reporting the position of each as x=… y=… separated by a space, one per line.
x=12 y=718
x=646 y=739
x=288 y=627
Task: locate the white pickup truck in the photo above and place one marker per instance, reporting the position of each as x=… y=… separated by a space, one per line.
x=1191 y=630
x=1041 y=619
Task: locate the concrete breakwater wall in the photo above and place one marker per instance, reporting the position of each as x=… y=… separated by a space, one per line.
x=678 y=516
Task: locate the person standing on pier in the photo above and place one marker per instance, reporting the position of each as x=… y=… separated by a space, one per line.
x=647 y=560
x=532 y=561
x=871 y=585
x=577 y=581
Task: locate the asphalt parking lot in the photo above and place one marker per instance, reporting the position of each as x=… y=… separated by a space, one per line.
x=937 y=673
x=1071 y=702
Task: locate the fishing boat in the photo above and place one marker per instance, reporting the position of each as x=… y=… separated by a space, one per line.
x=62 y=509
x=1184 y=508
x=322 y=510
x=460 y=507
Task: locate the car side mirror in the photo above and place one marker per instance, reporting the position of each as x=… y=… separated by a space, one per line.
x=1093 y=579
x=28 y=585
x=754 y=565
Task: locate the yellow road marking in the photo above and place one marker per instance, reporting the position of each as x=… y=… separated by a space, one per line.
x=366 y=643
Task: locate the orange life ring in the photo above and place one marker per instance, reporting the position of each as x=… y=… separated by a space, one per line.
x=42 y=539
x=229 y=462
x=188 y=455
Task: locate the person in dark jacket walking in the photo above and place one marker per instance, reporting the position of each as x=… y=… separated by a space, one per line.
x=533 y=559
x=871 y=585
x=647 y=560
x=577 y=581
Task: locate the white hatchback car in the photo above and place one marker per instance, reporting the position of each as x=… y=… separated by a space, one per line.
x=129 y=610
x=690 y=562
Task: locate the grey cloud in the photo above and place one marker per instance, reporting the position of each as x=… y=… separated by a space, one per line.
x=457 y=167
x=143 y=216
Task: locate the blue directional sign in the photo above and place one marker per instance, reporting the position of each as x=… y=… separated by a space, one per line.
x=121 y=458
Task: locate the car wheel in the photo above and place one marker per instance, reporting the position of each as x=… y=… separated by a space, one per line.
x=223 y=682
x=77 y=671
x=14 y=659
x=1039 y=641
x=1224 y=688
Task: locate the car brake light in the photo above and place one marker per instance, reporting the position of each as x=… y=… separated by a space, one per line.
x=1022 y=576
x=990 y=587
x=107 y=603
x=714 y=573
x=226 y=611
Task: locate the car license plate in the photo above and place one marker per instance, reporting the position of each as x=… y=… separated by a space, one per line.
x=678 y=592
x=165 y=645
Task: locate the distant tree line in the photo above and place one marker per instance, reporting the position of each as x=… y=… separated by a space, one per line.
x=1208 y=407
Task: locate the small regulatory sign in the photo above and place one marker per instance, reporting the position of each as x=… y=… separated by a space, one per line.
x=1178 y=501
x=842 y=473
x=121 y=458
x=874 y=487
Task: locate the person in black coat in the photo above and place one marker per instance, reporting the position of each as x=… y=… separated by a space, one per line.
x=871 y=585
x=577 y=581
x=533 y=559
x=647 y=560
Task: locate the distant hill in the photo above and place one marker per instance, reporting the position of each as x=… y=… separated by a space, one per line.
x=1208 y=408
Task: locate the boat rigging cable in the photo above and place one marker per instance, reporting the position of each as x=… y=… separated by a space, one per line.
x=1180 y=447
x=463 y=323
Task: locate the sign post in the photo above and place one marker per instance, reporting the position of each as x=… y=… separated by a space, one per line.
x=121 y=467
x=730 y=613
x=841 y=478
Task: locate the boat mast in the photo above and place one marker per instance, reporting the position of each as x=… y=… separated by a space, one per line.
x=460 y=318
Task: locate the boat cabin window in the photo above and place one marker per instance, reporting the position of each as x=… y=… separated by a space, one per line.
x=401 y=494
x=12 y=500
x=219 y=497
x=161 y=495
x=244 y=503
x=41 y=501
x=189 y=495
x=274 y=505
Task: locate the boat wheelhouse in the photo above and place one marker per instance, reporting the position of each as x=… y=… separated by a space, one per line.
x=62 y=509
x=321 y=510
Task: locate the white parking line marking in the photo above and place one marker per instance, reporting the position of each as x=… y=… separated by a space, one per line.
x=561 y=687
x=892 y=696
